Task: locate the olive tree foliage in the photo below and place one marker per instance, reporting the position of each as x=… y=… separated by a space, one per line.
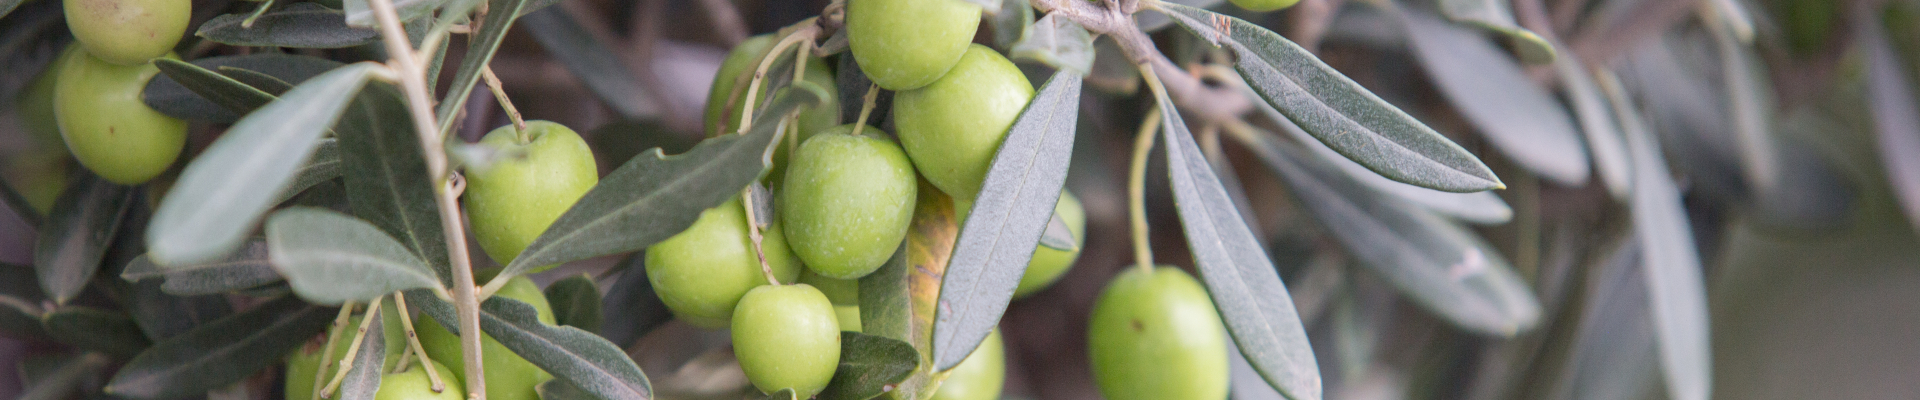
x=1556 y=154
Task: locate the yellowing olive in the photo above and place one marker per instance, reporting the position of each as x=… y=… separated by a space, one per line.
x=106 y=125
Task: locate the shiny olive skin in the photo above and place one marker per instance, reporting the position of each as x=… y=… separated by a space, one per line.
x=128 y=32
x=952 y=127
x=787 y=337
x=513 y=201
x=847 y=201
x=414 y=384
x=509 y=377
x=739 y=67
x=702 y=272
x=980 y=376
x=907 y=44
x=106 y=125
x=305 y=361
x=1156 y=335
x=1049 y=264
x=1264 y=5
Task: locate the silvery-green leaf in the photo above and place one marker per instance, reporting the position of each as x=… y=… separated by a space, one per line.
x=1058 y=42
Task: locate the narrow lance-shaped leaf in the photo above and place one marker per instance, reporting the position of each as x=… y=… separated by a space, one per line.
x=66 y=380
x=76 y=235
x=363 y=381
x=227 y=188
x=169 y=97
x=1749 y=102
x=631 y=308
x=1477 y=207
x=589 y=58
x=331 y=258
x=1896 y=112
x=1597 y=124
x=1613 y=344
x=1010 y=25
x=244 y=269
x=897 y=301
x=1058 y=236
x=583 y=360
x=1440 y=264
x=1015 y=202
x=94 y=329
x=1242 y=281
x=20 y=303
x=322 y=166
x=655 y=196
x=1057 y=42
x=299 y=25
x=1338 y=111
x=221 y=352
x=162 y=316
x=1675 y=288
x=480 y=49
x=360 y=14
x=233 y=95
x=1497 y=16
x=869 y=366
x=1517 y=116
x=386 y=175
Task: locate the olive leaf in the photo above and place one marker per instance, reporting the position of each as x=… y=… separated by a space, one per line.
x=331 y=258
x=1896 y=113
x=1339 y=112
x=1241 y=280
x=65 y=379
x=1497 y=16
x=94 y=329
x=588 y=57
x=221 y=352
x=1514 y=114
x=1010 y=25
x=244 y=269
x=20 y=303
x=298 y=25
x=1057 y=42
x=1613 y=343
x=898 y=300
x=171 y=97
x=227 y=188
x=480 y=49
x=74 y=239
x=386 y=176
x=631 y=308
x=1058 y=236
x=655 y=196
x=585 y=361
x=1009 y=215
x=228 y=93
x=363 y=380
x=869 y=366
x=322 y=166
x=1597 y=124
x=576 y=302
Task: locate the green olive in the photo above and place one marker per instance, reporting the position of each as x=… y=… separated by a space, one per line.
x=513 y=201
x=739 y=67
x=305 y=361
x=106 y=125
x=509 y=377
x=980 y=376
x=1049 y=264
x=702 y=272
x=786 y=337
x=414 y=384
x=953 y=127
x=906 y=44
x=847 y=201
x=128 y=32
x=1264 y=5
x=1156 y=335
x=842 y=292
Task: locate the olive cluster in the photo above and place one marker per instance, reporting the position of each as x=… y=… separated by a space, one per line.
x=97 y=105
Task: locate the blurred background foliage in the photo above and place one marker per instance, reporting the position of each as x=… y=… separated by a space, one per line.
x=1782 y=135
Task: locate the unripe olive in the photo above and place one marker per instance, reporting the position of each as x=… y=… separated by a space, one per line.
x=509 y=377
x=738 y=68
x=1156 y=335
x=414 y=384
x=513 y=201
x=953 y=127
x=305 y=362
x=1048 y=263
x=128 y=32
x=104 y=122
x=847 y=201
x=906 y=44
x=1264 y=5
x=980 y=376
x=702 y=272
x=786 y=337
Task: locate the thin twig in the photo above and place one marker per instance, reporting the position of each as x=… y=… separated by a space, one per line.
x=412 y=76
x=753 y=232
x=866 y=108
x=1137 y=189
x=805 y=32
x=353 y=349
x=413 y=343
x=326 y=351
x=500 y=95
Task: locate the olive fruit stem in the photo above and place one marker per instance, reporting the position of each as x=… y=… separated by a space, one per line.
x=413 y=344
x=420 y=104
x=499 y=93
x=866 y=109
x=333 y=336
x=346 y=361
x=264 y=6
x=753 y=231
x=804 y=31
x=1137 y=189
